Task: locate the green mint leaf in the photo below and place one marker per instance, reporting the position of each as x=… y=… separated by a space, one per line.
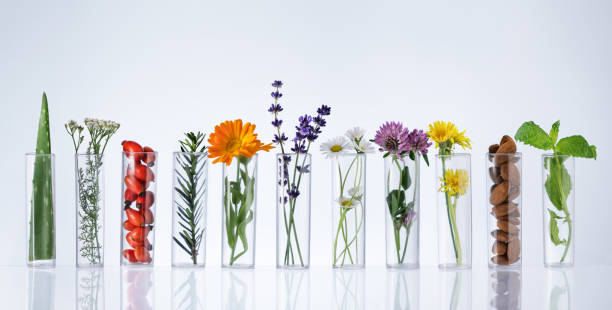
x=576 y=146
x=558 y=183
x=531 y=134
x=554 y=132
x=554 y=229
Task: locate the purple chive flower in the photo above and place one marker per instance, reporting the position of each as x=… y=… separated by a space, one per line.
x=277 y=84
x=277 y=122
x=275 y=108
x=392 y=137
x=324 y=110
x=276 y=95
x=294 y=192
x=419 y=141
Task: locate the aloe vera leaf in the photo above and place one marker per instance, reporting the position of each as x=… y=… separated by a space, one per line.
x=42 y=234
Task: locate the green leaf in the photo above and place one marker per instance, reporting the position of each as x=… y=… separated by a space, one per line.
x=576 y=146
x=405 y=178
x=554 y=229
x=554 y=132
x=531 y=134
x=426 y=159
x=558 y=183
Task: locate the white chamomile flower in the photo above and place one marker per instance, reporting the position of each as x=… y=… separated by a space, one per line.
x=335 y=147
x=355 y=134
x=365 y=146
x=356 y=191
x=347 y=202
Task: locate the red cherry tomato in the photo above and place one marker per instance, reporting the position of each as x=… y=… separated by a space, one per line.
x=128 y=226
x=145 y=201
x=130 y=196
x=142 y=255
x=149 y=158
x=133 y=243
x=133 y=184
x=132 y=150
x=134 y=217
x=139 y=234
x=129 y=255
x=143 y=173
x=148 y=216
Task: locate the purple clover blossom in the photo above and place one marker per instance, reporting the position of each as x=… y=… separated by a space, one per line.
x=277 y=84
x=392 y=137
x=419 y=141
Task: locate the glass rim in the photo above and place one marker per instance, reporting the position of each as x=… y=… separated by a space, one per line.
x=34 y=154
x=124 y=152
x=505 y=154
x=85 y=154
x=191 y=153
x=555 y=155
x=455 y=154
x=292 y=154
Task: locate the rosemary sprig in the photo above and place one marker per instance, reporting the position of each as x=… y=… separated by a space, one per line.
x=191 y=189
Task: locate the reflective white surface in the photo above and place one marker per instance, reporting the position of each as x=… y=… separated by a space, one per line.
x=319 y=288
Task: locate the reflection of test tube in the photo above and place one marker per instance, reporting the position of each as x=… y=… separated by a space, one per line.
x=137 y=289
x=402 y=289
x=188 y=289
x=456 y=290
x=90 y=289
x=349 y=289
x=41 y=290
x=238 y=289
x=505 y=289
x=292 y=289
x=559 y=290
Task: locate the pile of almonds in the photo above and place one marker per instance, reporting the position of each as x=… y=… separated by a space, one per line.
x=505 y=190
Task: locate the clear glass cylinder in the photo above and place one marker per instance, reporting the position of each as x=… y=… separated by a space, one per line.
x=189 y=197
x=293 y=210
x=505 y=289
x=453 y=175
x=40 y=206
x=504 y=206
x=89 y=182
x=138 y=194
x=558 y=207
x=239 y=210
x=402 y=211
x=348 y=210
x=90 y=289
x=137 y=289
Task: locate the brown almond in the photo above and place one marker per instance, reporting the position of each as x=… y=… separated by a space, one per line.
x=493 y=148
x=506 y=146
x=504 y=209
x=516 y=213
x=507 y=226
x=499 y=260
x=514 y=250
x=513 y=220
x=500 y=235
x=510 y=173
x=514 y=192
x=499 y=248
x=499 y=193
x=494 y=174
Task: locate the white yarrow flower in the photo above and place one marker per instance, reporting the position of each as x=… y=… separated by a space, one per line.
x=335 y=147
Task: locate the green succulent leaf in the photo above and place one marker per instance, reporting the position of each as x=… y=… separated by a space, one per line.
x=532 y=134
x=576 y=146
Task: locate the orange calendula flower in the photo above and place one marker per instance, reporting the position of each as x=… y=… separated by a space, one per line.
x=232 y=138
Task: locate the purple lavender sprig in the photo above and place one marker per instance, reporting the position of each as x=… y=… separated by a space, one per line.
x=275 y=109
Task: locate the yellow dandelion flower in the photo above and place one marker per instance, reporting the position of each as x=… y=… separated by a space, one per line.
x=455 y=182
x=462 y=140
x=441 y=132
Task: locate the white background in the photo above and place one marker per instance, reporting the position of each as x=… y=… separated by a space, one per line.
x=163 y=69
